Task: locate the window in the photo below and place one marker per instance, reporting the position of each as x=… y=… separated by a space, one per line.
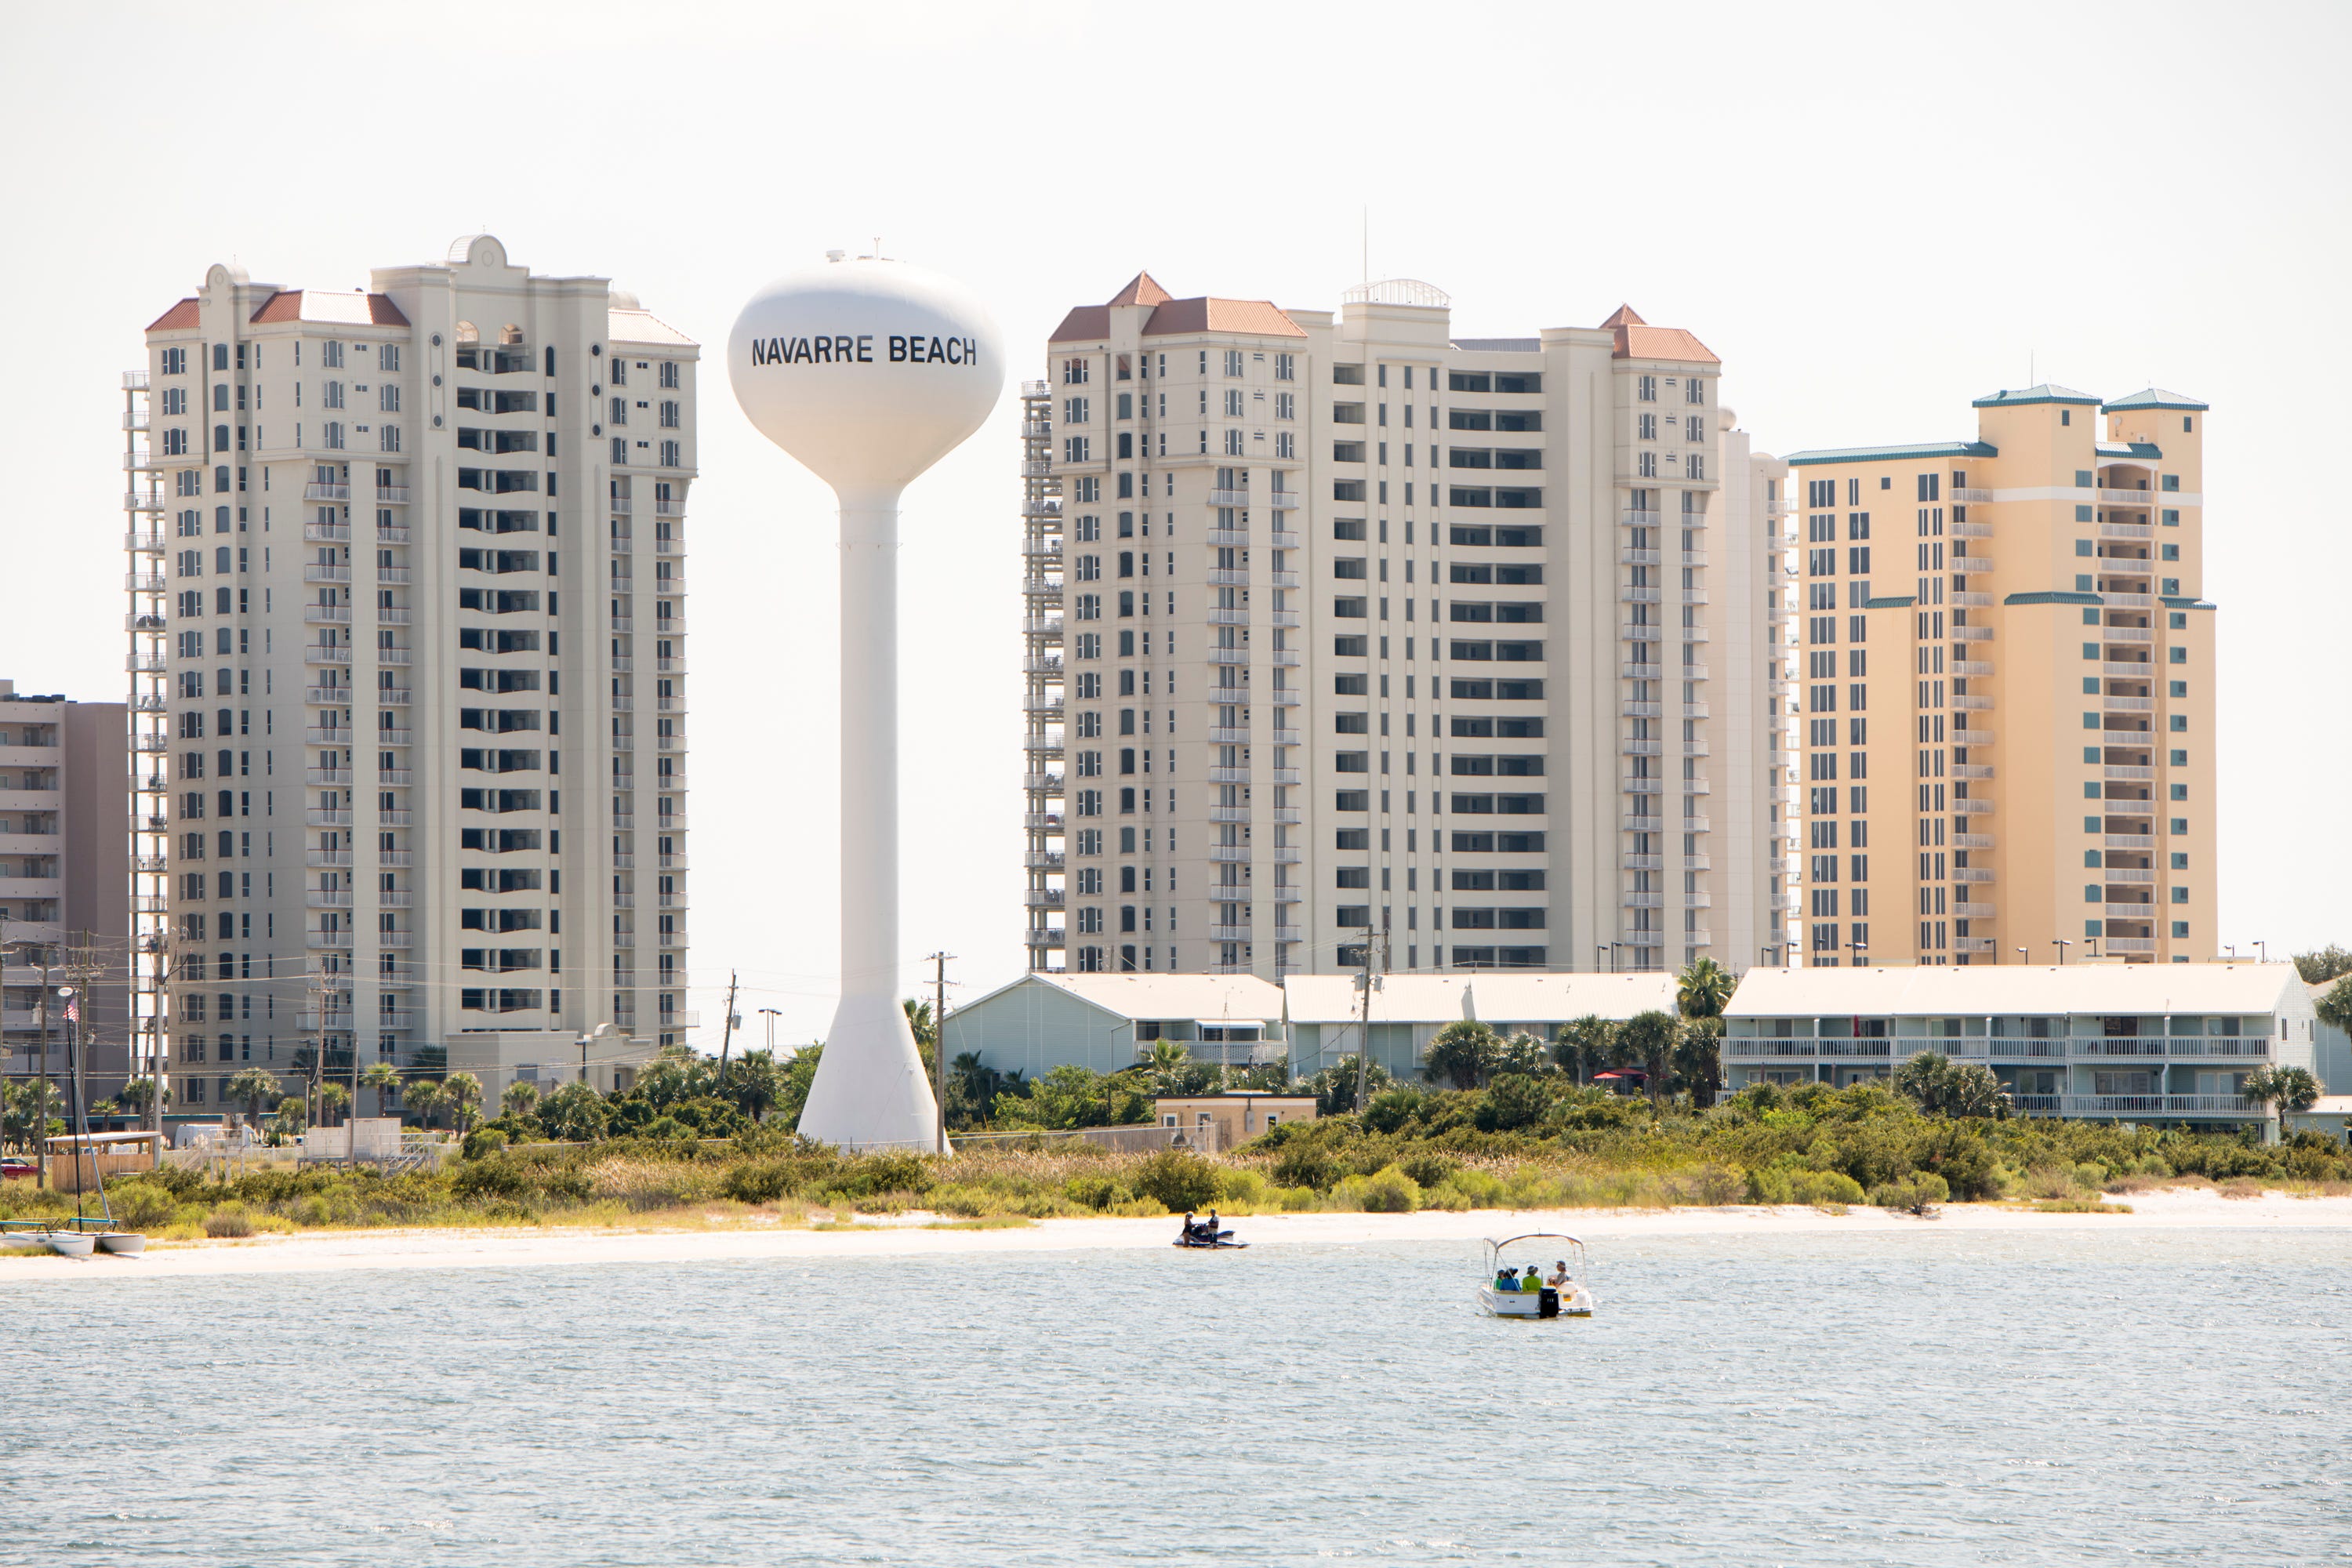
x=668 y=377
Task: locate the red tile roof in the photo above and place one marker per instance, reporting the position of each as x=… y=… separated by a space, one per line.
x=1082 y=324
x=1142 y=289
x=1637 y=339
x=1260 y=318
x=180 y=316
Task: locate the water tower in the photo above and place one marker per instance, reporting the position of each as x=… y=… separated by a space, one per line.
x=867 y=370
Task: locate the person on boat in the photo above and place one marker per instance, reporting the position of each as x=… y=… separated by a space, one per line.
x=1211 y=1229
x=1529 y=1283
x=1506 y=1279
x=1191 y=1231
x=1559 y=1280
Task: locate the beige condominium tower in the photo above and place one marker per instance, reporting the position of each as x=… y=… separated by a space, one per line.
x=408 y=645
x=2007 y=688
x=1340 y=624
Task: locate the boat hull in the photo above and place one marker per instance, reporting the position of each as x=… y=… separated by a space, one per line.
x=71 y=1244
x=1531 y=1304
x=122 y=1243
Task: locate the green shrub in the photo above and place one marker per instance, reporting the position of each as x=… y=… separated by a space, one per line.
x=1826 y=1187
x=1243 y=1187
x=142 y=1204
x=230 y=1219
x=1094 y=1192
x=1514 y=1100
x=866 y=1176
x=759 y=1182
x=1392 y=1109
x=1771 y=1184
x=1429 y=1169
x=1304 y=1164
x=1916 y=1194
x=484 y=1141
x=497 y=1174
x=1386 y=1191
x=1177 y=1179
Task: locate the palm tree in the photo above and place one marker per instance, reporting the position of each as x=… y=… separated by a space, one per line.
x=575 y=1113
x=755 y=1083
x=518 y=1100
x=1462 y=1053
x=253 y=1085
x=1583 y=1045
x=384 y=1079
x=2290 y=1090
x=1523 y=1053
x=1704 y=989
x=1698 y=1059
x=464 y=1092
x=1649 y=1040
x=333 y=1100
x=425 y=1099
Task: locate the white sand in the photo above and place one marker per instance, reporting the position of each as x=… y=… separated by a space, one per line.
x=333 y=1251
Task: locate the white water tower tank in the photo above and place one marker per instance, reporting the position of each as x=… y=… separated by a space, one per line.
x=869 y=372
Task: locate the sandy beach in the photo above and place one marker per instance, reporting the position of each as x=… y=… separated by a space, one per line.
x=524 y=1247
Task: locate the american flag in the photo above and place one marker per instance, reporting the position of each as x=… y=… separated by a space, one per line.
x=73 y=1008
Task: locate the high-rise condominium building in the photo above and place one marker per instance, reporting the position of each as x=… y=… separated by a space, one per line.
x=2009 y=689
x=64 y=871
x=1340 y=624
x=414 y=674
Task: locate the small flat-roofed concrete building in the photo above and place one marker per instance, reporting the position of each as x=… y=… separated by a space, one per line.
x=1326 y=1018
x=1213 y=1121
x=1106 y=1021
x=2170 y=1043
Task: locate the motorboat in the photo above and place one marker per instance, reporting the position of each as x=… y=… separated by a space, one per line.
x=1571 y=1298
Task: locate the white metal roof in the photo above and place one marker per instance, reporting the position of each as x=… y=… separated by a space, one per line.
x=1496 y=996
x=1991 y=990
x=1205 y=998
x=626 y=326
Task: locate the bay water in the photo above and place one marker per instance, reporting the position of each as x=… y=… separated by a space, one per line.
x=1924 y=1397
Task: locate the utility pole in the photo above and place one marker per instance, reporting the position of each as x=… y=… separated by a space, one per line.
x=319 y=994
x=727 y=1033
x=41 y=1079
x=1364 y=1026
x=939 y=1047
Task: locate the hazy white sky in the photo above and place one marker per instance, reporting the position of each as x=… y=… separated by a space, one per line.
x=1871 y=213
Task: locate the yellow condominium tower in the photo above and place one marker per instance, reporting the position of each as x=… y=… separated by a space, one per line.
x=2007 y=688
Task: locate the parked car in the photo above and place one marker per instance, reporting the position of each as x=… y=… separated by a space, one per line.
x=12 y=1166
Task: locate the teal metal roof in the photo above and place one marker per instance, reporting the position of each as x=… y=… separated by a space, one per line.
x=2156 y=397
x=2055 y=596
x=1907 y=601
x=1894 y=454
x=2148 y=449
x=2171 y=603
x=2048 y=392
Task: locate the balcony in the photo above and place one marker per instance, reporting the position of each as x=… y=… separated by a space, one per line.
x=1973 y=702
x=2130 y=840
x=1229 y=776
x=1042 y=897
x=2128 y=773
x=2113 y=874
x=1229 y=933
x=1045 y=936
x=1047 y=784
x=2128 y=633
x=1972 y=497
x=1631 y=557
x=1972 y=634
x=1230 y=854
x=2127 y=704
x=1971 y=666
x=1971 y=564
x=1972 y=806
x=1972 y=770
x=1283 y=500
x=1044 y=860
x=1220 y=617
x=1971 y=874
x=1972 y=529
x=2226 y=1105
x=1229 y=497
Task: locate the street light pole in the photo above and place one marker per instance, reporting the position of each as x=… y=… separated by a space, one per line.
x=2062 y=944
